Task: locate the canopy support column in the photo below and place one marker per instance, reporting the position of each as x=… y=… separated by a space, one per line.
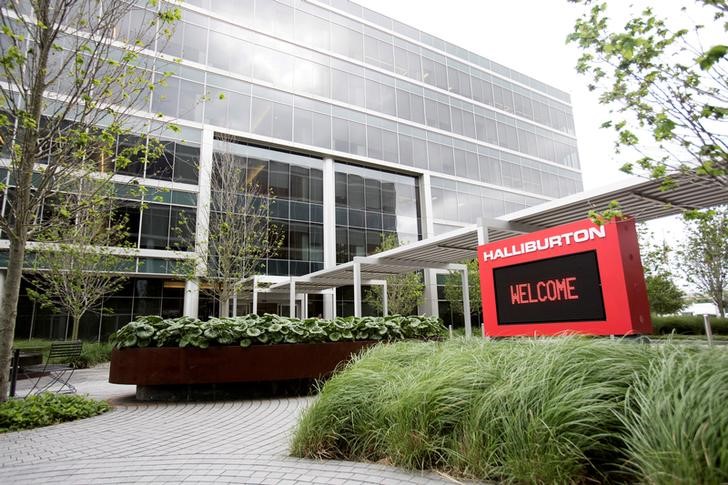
x=255 y=295
x=357 y=289
x=292 y=298
x=466 y=303
x=385 y=299
x=304 y=306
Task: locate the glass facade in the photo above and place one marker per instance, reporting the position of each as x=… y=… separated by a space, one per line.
x=395 y=95
x=316 y=91
x=371 y=204
x=295 y=185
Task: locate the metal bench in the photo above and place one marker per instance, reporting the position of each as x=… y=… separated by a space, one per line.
x=58 y=364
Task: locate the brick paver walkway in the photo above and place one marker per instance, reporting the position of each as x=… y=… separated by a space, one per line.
x=244 y=441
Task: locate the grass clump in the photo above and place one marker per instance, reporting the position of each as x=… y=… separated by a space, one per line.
x=676 y=419
x=533 y=411
x=46 y=409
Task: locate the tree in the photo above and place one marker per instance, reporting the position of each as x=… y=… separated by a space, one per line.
x=704 y=255
x=77 y=260
x=660 y=81
x=662 y=292
x=67 y=94
x=664 y=296
x=404 y=291
x=454 y=289
x=240 y=236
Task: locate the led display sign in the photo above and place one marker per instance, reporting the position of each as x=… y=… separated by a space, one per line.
x=579 y=277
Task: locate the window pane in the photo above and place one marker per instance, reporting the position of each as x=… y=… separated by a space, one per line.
x=155 y=226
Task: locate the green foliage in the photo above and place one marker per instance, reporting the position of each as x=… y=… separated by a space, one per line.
x=558 y=410
x=664 y=86
x=675 y=419
x=454 y=288
x=688 y=325
x=46 y=409
x=271 y=329
x=704 y=254
x=612 y=212
x=92 y=353
x=404 y=291
x=664 y=296
x=77 y=263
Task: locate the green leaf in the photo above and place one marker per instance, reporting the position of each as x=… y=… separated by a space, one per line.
x=708 y=59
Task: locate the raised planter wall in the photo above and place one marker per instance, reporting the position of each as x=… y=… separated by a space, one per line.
x=168 y=366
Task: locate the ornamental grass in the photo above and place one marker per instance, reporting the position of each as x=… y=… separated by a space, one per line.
x=558 y=410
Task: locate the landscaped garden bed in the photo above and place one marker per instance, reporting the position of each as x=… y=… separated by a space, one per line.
x=46 y=409
x=185 y=351
x=556 y=410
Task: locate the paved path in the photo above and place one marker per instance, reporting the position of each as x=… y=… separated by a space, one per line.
x=244 y=441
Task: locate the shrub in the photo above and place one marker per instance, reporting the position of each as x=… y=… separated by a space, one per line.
x=533 y=411
x=46 y=409
x=93 y=353
x=271 y=329
x=688 y=325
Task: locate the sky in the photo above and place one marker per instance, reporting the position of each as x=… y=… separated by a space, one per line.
x=530 y=36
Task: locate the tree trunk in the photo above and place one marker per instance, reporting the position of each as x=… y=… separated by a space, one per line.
x=224 y=307
x=76 y=325
x=9 y=311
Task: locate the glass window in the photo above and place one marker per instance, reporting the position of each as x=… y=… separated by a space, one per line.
x=279 y=179
x=303 y=126
x=186 y=160
x=160 y=167
x=374 y=240
x=316 y=243
x=311 y=77
x=166 y=96
x=282 y=121
x=434 y=72
x=155 y=226
x=356 y=218
x=182 y=228
x=299 y=183
x=229 y=54
x=130 y=158
x=316 y=188
x=257 y=174
x=130 y=212
x=357 y=242
x=311 y=30
x=341 y=192
x=373 y=194
x=298 y=241
x=355 y=191
x=342 y=245
x=374 y=220
x=195 y=43
x=191 y=96
x=347 y=42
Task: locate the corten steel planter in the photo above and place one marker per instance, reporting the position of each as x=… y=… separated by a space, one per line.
x=161 y=366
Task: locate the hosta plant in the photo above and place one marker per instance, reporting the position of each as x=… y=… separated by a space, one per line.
x=271 y=329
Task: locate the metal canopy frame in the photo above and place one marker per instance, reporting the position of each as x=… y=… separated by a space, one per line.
x=439 y=252
x=642 y=199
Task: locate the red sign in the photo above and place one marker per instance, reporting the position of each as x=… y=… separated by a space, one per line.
x=578 y=277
